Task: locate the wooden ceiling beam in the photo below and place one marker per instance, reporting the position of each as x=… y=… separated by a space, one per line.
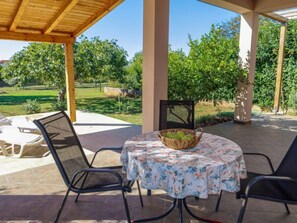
x=3 y=28
x=95 y=18
x=264 y=6
x=18 y=15
x=61 y=14
x=275 y=17
x=35 y=37
x=240 y=7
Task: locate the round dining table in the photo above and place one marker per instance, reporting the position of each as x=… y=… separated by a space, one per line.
x=214 y=164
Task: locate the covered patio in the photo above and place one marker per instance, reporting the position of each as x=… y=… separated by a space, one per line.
x=33 y=194
x=63 y=21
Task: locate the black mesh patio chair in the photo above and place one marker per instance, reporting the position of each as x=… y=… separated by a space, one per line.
x=280 y=186
x=78 y=174
x=176 y=114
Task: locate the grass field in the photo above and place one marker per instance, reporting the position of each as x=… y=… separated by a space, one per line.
x=88 y=99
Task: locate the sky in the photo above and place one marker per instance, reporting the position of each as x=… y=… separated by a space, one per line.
x=124 y=23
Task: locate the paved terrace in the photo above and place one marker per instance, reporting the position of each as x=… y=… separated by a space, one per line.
x=31 y=189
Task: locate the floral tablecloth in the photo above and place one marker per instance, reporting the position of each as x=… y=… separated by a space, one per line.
x=215 y=164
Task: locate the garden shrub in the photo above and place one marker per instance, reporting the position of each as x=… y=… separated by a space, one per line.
x=214 y=119
x=31 y=106
x=59 y=106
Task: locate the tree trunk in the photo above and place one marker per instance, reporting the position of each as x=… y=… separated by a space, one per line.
x=61 y=94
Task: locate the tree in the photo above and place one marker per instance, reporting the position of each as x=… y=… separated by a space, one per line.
x=214 y=66
x=133 y=78
x=44 y=63
x=100 y=61
x=181 y=85
x=266 y=64
x=39 y=63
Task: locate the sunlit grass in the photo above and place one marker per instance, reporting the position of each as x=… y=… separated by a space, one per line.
x=90 y=99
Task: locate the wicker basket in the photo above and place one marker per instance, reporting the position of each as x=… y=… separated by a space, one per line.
x=180 y=144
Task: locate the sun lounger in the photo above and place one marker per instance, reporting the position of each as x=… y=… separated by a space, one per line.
x=4 y=120
x=24 y=124
x=11 y=139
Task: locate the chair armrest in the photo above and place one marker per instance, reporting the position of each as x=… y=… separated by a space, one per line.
x=119 y=149
x=267 y=158
x=96 y=170
x=258 y=179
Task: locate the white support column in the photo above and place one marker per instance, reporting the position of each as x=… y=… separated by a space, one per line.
x=155 y=61
x=247 y=56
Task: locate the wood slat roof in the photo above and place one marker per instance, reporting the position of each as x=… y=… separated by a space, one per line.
x=280 y=10
x=56 y=21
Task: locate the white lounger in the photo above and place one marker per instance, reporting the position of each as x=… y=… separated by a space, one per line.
x=13 y=138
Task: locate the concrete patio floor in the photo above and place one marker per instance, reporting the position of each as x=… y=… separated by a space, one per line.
x=33 y=190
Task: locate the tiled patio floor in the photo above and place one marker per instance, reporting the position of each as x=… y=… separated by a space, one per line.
x=34 y=192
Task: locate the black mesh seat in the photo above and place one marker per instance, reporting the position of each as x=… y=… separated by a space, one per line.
x=176 y=114
x=280 y=186
x=78 y=174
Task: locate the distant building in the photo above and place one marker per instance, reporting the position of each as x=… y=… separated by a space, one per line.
x=2 y=62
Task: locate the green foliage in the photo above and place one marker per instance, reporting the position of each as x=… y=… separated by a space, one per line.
x=99 y=60
x=214 y=119
x=210 y=72
x=59 y=106
x=41 y=63
x=32 y=106
x=293 y=100
x=266 y=64
x=133 y=79
x=181 y=83
x=37 y=63
x=267 y=53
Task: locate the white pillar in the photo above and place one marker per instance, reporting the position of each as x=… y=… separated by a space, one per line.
x=247 y=56
x=155 y=61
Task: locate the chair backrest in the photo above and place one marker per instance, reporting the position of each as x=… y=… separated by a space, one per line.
x=63 y=144
x=288 y=166
x=176 y=114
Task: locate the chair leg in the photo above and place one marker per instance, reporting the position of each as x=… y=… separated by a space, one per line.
x=287 y=209
x=18 y=155
x=126 y=206
x=139 y=192
x=242 y=210
x=62 y=206
x=218 y=201
x=76 y=199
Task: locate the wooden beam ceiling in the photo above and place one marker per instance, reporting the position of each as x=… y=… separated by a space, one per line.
x=95 y=18
x=18 y=15
x=240 y=7
x=60 y=16
x=263 y=6
x=35 y=37
x=57 y=21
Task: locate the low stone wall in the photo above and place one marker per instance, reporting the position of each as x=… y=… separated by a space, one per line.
x=115 y=92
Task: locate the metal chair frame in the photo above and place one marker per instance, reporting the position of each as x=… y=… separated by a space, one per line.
x=83 y=173
x=276 y=176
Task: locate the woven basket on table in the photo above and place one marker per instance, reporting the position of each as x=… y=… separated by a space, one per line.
x=180 y=144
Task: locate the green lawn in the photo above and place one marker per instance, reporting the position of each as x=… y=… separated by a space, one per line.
x=87 y=99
